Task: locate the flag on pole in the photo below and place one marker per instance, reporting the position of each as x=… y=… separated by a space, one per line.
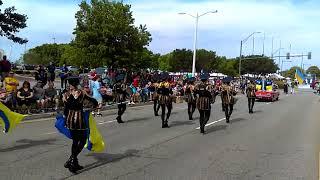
x=299 y=76
x=9 y=119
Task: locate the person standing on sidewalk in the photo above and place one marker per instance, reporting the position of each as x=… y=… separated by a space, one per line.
x=64 y=76
x=51 y=70
x=5 y=68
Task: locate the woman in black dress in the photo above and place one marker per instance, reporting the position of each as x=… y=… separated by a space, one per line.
x=74 y=100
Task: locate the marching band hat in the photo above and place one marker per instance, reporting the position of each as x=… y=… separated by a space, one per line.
x=120 y=77
x=227 y=79
x=204 y=76
x=164 y=76
x=73 y=80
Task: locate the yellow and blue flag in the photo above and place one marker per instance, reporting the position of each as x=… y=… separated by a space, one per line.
x=299 y=76
x=9 y=119
x=95 y=142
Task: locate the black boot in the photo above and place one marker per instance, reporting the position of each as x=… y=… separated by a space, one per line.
x=156 y=114
x=119 y=120
x=228 y=119
x=68 y=163
x=202 y=130
x=76 y=165
x=72 y=167
x=166 y=124
x=190 y=116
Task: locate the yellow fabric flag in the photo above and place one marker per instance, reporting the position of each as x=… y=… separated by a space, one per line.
x=9 y=119
x=95 y=141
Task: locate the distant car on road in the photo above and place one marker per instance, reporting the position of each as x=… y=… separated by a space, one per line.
x=266 y=91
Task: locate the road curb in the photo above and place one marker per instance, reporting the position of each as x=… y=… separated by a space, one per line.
x=105 y=112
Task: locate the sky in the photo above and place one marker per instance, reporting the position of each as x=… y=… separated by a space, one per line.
x=293 y=22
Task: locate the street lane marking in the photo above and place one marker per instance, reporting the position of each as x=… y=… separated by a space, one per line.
x=269 y=103
x=107 y=122
x=51 y=133
x=214 y=122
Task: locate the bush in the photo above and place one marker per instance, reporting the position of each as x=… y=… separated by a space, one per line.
x=280 y=83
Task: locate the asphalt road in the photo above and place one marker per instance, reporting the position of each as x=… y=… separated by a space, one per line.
x=279 y=141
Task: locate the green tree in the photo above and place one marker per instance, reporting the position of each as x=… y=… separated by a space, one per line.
x=106 y=34
x=11 y=23
x=205 y=59
x=164 y=64
x=313 y=70
x=44 y=54
x=258 y=65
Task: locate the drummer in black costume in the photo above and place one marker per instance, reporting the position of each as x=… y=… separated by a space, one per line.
x=165 y=99
x=204 y=100
x=190 y=97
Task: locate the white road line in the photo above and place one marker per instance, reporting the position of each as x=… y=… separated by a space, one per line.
x=269 y=103
x=214 y=122
x=107 y=122
x=51 y=133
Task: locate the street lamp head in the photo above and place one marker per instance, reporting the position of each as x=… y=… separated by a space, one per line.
x=214 y=11
x=182 y=13
x=258 y=32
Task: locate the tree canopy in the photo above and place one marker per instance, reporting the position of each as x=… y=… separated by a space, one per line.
x=258 y=65
x=313 y=70
x=105 y=34
x=11 y=23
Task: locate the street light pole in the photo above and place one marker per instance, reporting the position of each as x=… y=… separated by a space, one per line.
x=240 y=59
x=196 y=38
x=241 y=44
x=195 y=46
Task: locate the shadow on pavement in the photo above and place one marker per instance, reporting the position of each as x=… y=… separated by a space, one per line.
x=216 y=128
x=180 y=123
x=27 y=143
x=257 y=111
x=105 y=158
x=139 y=119
x=237 y=120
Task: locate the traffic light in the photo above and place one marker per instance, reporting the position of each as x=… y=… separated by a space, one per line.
x=309 y=55
x=288 y=55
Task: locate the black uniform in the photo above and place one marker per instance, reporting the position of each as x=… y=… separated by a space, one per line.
x=191 y=100
x=228 y=100
x=155 y=98
x=204 y=100
x=251 y=95
x=74 y=113
x=120 y=92
x=165 y=100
